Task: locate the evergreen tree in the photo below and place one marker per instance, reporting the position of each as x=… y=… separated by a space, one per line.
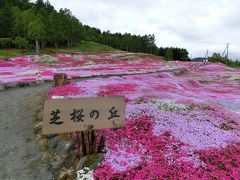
x=169 y=54
x=6 y=21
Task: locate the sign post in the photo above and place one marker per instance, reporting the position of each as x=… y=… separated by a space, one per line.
x=83 y=116
x=69 y=115
x=86 y=115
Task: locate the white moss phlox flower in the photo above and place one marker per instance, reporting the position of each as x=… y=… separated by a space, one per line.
x=85 y=174
x=57 y=97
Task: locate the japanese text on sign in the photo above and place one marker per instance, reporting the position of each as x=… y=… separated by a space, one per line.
x=68 y=115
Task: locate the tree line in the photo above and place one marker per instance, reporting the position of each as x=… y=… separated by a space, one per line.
x=24 y=24
x=216 y=57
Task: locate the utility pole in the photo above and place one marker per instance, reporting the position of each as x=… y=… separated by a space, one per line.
x=227 y=49
x=226 y=52
x=206 y=57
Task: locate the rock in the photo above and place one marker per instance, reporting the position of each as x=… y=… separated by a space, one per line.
x=90 y=161
x=40 y=116
x=65 y=136
x=39 y=137
x=64 y=147
x=2 y=87
x=81 y=163
x=42 y=144
x=70 y=158
x=97 y=162
x=39 y=81
x=50 y=136
x=69 y=174
x=53 y=143
x=56 y=164
x=46 y=157
x=28 y=140
x=38 y=126
x=10 y=85
x=63 y=175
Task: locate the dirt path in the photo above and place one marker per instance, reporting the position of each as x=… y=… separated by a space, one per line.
x=19 y=155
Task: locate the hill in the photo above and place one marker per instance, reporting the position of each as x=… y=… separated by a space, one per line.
x=26 y=25
x=82 y=47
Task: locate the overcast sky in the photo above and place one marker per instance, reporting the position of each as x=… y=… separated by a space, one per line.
x=194 y=25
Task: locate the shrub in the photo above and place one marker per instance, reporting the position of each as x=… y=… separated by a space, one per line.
x=21 y=42
x=6 y=42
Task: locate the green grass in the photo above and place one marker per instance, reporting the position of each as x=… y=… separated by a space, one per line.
x=234 y=64
x=83 y=47
x=4 y=53
x=91 y=159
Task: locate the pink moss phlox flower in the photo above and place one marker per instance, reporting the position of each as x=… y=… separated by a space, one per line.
x=65 y=91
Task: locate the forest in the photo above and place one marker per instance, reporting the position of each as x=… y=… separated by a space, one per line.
x=28 y=25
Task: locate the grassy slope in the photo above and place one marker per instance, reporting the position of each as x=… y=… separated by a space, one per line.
x=13 y=52
x=85 y=47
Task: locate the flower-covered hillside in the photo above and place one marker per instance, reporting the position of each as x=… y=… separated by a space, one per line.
x=179 y=124
x=32 y=68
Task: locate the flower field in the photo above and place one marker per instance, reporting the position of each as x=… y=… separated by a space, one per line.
x=179 y=124
x=26 y=69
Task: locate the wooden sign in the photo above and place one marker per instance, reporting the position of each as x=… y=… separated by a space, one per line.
x=69 y=115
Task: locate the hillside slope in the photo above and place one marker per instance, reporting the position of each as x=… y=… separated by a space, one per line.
x=82 y=47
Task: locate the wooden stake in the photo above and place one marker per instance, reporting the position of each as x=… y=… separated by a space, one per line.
x=60 y=79
x=86 y=139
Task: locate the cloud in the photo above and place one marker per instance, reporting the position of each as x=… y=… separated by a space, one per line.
x=195 y=25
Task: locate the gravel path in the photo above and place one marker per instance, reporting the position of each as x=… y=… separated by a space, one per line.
x=19 y=155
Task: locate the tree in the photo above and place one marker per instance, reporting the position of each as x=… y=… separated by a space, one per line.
x=28 y=16
x=169 y=54
x=183 y=54
x=21 y=42
x=55 y=31
x=36 y=32
x=6 y=21
x=6 y=42
x=17 y=25
x=92 y=34
x=216 y=57
x=161 y=51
